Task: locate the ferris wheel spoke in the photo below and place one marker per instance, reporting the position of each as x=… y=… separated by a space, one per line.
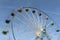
x=28 y=20
x=35 y=22
x=22 y=17
x=38 y=20
x=23 y=21
x=32 y=19
x=41 y=21
x=48 y=24
x=45 y=23
x=20 y=20
x=29 y=16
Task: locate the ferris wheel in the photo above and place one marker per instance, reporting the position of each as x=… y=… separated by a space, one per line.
x=29 y=23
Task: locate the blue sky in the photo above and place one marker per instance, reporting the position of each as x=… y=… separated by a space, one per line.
x=51 y=7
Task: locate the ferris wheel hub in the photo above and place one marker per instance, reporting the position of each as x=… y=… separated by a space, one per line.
x=37 y=33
